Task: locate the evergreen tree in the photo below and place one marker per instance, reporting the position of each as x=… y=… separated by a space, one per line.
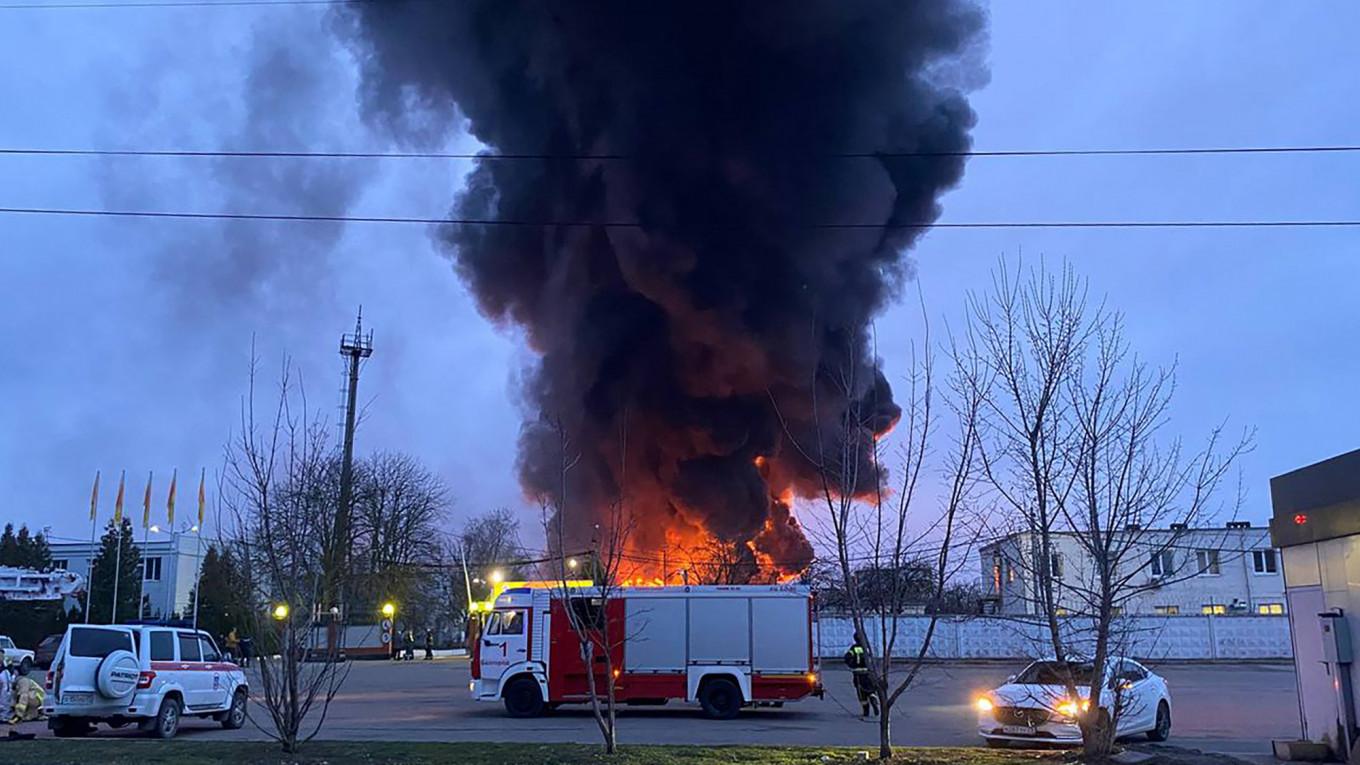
x=220 y=609
x=33 y=551
x=129 y=572
x=9 y=547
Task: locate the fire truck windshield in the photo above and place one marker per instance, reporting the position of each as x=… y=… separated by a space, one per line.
x=505 y=623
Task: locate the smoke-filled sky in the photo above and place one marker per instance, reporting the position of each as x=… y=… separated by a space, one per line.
x=128 y=341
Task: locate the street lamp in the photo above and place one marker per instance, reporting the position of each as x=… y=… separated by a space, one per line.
x=572 y=563
x=497 y=577
x=280 y=612
x=388 y=610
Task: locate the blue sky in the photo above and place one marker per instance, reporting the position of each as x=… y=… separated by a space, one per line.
x=128 y=341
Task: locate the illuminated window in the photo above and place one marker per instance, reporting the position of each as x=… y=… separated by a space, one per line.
x=1167 y=610
x=1217 y=609
x=1060 y=611
x=1270 y=609
x=1010 y=571
x=996 y=573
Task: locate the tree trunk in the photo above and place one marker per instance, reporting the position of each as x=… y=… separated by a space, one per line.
x=885 y=751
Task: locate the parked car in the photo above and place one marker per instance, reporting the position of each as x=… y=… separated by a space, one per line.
x=151 y=675
x=46 y=651
x=19 y=657
x=1034 y=706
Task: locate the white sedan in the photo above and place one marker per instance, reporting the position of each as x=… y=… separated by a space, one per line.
x=1035 y=707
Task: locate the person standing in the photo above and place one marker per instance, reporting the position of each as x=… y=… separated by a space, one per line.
x=857 y=659
x=429 y=644
x=233 y=644
x=247 y=648
x=410 y=645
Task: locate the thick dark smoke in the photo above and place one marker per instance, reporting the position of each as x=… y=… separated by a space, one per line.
x=704 y=335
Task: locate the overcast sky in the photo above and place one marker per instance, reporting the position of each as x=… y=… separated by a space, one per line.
x=127 y=342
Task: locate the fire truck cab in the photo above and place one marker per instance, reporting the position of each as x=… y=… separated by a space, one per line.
x=724 y=647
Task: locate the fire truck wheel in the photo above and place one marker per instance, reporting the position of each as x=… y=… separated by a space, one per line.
x=523 y=698
x=720 y=698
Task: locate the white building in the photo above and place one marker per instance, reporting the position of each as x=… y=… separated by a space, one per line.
x=170 y=568
x=1229 y=570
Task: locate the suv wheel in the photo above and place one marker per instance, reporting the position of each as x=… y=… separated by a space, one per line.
x=65 y=727
x=720 y=698
x=236 y=714
x=167 y=719
x=523 y=698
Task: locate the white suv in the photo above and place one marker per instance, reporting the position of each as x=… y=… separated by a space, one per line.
x=150 y=675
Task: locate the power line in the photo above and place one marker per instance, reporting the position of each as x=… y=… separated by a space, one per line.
x=492 y=222
x=509 y=156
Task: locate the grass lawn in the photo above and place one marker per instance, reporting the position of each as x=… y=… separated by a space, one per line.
x=133 y=752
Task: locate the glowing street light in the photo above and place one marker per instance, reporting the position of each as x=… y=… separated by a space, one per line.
x=572 y=563
x=388 y=610
x=497 y=577
x=280 y=612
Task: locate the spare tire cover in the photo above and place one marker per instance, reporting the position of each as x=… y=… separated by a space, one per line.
x=117 y=675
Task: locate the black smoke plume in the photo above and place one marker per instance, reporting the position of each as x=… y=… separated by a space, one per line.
x=720 y=121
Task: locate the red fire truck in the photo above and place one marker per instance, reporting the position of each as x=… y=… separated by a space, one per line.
x=725 y=647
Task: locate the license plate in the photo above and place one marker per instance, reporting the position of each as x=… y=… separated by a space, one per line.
x=1018 y=730
x=77 y=697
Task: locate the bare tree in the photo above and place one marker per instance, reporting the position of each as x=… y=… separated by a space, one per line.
x=279 y=493
x=398 y=509
x=1075 y=450
x=599 y=637
x=888 y=532
x=489 y=541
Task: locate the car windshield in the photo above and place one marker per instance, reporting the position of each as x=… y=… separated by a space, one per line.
x=97 y=643
x=1054 y=673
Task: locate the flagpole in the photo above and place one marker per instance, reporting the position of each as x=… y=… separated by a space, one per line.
x=117 y=570
x=174 y=545
x=146 y=537
x=89 y=570
x=118 y=550
x=198 y=549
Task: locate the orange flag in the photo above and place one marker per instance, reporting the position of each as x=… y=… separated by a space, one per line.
x=118 y=503
x=146 y=503
x=202 y=498
x=170 y=501
x=94 y=497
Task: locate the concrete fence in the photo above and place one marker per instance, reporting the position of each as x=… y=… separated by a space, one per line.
x=1189 y=638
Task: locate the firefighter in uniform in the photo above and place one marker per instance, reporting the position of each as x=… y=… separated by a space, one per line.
x=857 y=659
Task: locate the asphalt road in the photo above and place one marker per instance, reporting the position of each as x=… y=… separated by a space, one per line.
x=1223 y=707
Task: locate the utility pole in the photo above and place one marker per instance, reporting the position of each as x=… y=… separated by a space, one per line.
x=355 y=348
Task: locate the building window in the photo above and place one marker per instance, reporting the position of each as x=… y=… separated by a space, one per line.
x=1263 y=561
x=1117 y=611
x=1270 y=609
x=1161 y=563
x=1010 y=571
x=1167 y=610
x=1216 y=609
x=152 y=567
x=1055 y=565
x=1060 y=611
x=996 y=574
x=60 y=564
x=1208 y=562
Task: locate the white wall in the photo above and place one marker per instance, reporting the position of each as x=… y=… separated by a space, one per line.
x=1150 y=637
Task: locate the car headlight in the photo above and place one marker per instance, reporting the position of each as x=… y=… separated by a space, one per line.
x=1070 y=709
x=984 y=704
